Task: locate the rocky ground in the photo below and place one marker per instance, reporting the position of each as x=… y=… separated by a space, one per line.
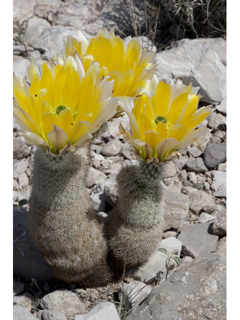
x=195 y=219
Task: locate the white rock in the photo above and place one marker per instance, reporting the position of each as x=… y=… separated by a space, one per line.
x=222 y=166
x=199 y=199
x=112 y=148
x=205 y=217
x=194 y=62
x=222 y=107
x=192 y=177
x=216 y=44
x=177 y=206
x=23 y=180
x=222 y=191
x=23 y=10
x=15 y=185
x=20 y=66
x=19 y=167
x=56 y=34
x=18 y=287
x=134 y=293
x=20 y=313
x=157 y=261
x=35 y=28
x=64 y=301
x=219 y=179
x=102 y=311
x=98 y=201
x=24 y=300
x=94 y=176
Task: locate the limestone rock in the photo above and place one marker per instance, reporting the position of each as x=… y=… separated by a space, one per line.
x=56 y=34
x=51 y=315
x=24 y=300
x=19 y=167
x=214 y=155
x=196 y=165
x=64 y=301
x=198 y=239
x=112 y=148
x=35 y=28
x=20 y=313
x=102 y=311
x=134 y=293
x=110 y=190
x=197 y=291
x=194 y=62
x=20 y=66
x=177 y=206
x=94 y=177
x=20 y=149
x=157 y=262
x=198 y=200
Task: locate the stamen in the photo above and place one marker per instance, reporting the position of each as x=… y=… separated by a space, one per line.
x=59 y=109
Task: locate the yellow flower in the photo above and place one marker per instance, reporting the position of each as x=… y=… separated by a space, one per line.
x=165 y=122
x=124 y=61
x=64 y=105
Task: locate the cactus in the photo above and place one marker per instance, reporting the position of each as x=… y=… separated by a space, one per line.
x=61 y=222
x=135 y=226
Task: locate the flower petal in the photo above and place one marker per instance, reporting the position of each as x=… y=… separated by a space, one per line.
x=57 y=138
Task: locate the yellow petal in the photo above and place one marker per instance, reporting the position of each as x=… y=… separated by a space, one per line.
x=177 y=132
x=48 y=119
x=152 y=138
x=161 y=99
x=144 y=125
x=65 y=120
x=161 y=130
x=191 y=136
x=24 y=120
x=176 y=107
x=77 y=131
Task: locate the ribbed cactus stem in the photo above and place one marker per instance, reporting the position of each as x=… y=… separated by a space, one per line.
x=135 y=226
x=60 y=220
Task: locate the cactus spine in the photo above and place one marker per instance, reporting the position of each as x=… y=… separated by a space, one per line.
x=60 y=220
x=135 y=226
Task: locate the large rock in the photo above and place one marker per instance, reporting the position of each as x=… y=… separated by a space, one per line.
x=35 y=28
x=216 y=44
x=94 y=176
x=20 y=66
x=198 y=200
x=102 y=311
x=196 y=165
x=197 y=291
x=198 y=239
x=20 y=149
x=64 y=301
x=19 y=313
x=177 y=206
x=56 y=34
x=133 y=293
x=214 y=154
x=51 y=315
x=157 y=262
x=112 y=148
x=194 y=62
x=23 y=10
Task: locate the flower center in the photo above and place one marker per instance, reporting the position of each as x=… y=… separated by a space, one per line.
x=160 y=119
x=59 y=109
